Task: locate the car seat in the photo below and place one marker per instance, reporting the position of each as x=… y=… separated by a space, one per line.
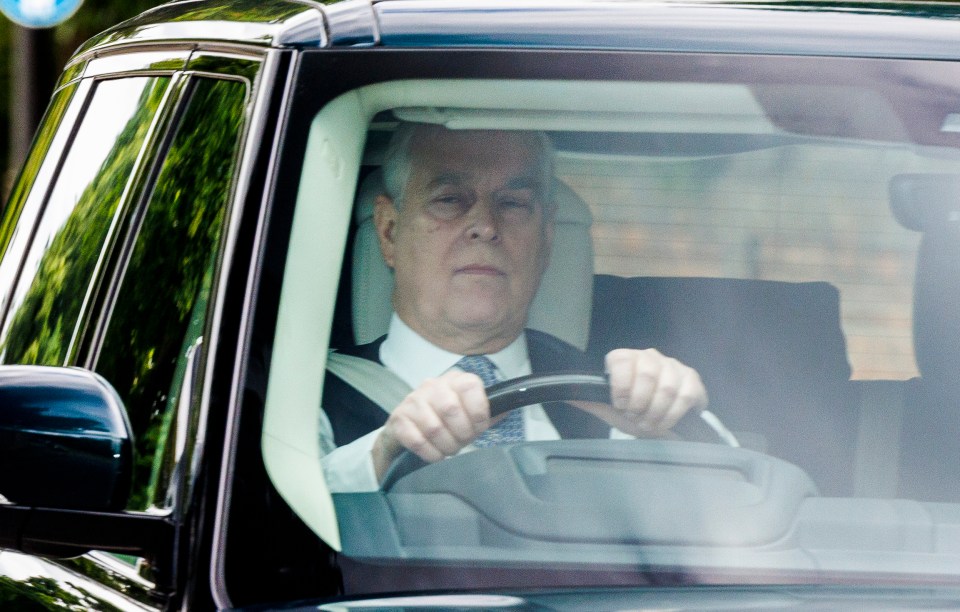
x=771 y=354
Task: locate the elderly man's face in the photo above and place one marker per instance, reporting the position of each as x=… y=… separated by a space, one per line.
x=470 y=240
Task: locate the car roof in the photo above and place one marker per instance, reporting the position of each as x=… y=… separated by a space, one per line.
x=809 y=28
x=856 y=29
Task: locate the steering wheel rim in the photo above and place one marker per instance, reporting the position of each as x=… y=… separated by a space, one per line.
x=543 y=388
x=516 y=393
x=512 y=394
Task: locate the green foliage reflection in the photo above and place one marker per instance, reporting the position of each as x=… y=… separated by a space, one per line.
x=169 y=270
x=44 y=321
x=41 y=593
x=31 y=167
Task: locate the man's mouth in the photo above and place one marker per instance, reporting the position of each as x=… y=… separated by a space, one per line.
x=480 y=270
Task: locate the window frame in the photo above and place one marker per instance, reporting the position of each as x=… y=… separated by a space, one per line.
x=327 y=74
x=241 y=68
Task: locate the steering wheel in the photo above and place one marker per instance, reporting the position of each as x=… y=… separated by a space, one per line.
x=540 y=389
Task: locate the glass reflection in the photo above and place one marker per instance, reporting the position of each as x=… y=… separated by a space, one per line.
x=78 y=216
x=33 y=584
x=31 y=170
x=160 y=311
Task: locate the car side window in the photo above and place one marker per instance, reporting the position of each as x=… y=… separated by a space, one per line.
x=38 y=164
x=151 y=344
x=69 y=239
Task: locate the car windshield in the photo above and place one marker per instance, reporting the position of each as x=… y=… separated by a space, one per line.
x=782 y=231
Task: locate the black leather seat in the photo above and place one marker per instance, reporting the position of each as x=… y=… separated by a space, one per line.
x=771 y=354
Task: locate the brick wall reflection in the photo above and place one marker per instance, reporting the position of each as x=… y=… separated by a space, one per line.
x=789 y=214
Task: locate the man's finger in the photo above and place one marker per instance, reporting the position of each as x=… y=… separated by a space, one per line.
x=473 y=398
x=690 y=396
x=648 y=368
x=406 y=433
x=664 y=396
x=448 y=405
x=428 y=420
x=620 y=371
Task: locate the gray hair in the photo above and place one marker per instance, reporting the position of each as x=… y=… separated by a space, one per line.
x=397 y=163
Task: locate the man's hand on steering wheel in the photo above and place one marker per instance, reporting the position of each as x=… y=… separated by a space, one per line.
x=649 y=392
x=435 y=421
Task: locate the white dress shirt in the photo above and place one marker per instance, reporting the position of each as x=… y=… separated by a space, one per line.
x=349 y=468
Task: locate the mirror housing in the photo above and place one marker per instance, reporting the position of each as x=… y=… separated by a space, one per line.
x=65 y=440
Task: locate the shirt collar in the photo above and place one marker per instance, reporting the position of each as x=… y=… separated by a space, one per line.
x=414 y=359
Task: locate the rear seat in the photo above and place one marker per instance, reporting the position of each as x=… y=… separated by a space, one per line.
x=771 y=354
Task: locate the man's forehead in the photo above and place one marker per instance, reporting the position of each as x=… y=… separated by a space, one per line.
x=428 y=138
x=441 y=178
x=451 y=154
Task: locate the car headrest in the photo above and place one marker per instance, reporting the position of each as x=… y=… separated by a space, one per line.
x=562 y=304
x=930 y=203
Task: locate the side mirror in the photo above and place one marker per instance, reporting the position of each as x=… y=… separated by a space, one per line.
x=65 y=440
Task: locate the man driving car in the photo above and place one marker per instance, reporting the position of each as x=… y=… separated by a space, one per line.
x=466 y=223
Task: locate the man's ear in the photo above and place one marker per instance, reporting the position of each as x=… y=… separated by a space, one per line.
x=385 y=220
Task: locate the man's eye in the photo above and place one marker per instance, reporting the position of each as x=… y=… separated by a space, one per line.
x=447 y=206
x=516 y=205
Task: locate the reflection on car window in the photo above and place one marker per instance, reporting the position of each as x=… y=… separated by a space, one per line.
x=766 y=215
x=53 y=284
x=159 y=314
x=38 y=158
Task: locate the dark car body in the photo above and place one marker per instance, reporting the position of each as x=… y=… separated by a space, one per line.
x=152 y=238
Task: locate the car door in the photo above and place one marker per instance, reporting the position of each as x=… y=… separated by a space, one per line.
x=114 y=239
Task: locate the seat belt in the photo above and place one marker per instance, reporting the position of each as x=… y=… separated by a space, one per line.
x=370 y=379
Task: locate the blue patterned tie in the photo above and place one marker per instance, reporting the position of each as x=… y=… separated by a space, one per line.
x=510 y=428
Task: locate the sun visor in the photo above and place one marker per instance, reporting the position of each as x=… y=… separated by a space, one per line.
x=613 y=107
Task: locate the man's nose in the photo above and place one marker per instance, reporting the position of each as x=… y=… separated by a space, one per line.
x=484 y=223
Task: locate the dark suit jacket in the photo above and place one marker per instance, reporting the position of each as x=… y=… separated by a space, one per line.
x=353 y=415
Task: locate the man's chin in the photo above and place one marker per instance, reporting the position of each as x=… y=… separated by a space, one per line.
x=471 y=331
x=493 y=322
